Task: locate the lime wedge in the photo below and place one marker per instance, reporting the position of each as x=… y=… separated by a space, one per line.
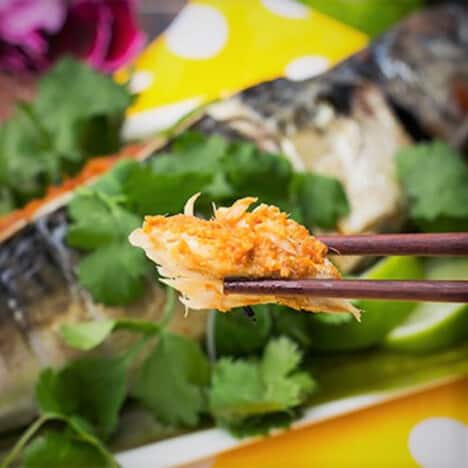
x=378 y=317
x=433 y=326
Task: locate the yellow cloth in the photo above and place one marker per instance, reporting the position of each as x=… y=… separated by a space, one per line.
x=215 y=48
x=426 y=429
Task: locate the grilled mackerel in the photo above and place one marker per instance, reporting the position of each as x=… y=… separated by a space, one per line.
x=348 y=123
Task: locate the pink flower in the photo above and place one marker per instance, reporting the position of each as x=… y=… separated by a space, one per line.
x=24 y=25
x=103 y=32
x=33 y=33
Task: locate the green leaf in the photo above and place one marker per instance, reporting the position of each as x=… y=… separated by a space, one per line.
x=244 y=389
x=171 y=381
x=88 y=335
x=251 y=172
x=7 y=202
x=84 y=111
x=280 y=358
x=150 y=193
x=27 y=161
x=62 y=449
x=98 y=220
x=115 y=274
x=237 y=391
x=111 y=183
x=77 y=100
x=434 y=177
x=293 y=324
x=237 y=334
x=93 y=388
x=322 y=200
x=263 y=424
x=192 y=152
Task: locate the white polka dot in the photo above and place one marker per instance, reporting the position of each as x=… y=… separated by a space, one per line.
x=287 y=8
x=140 y=81
x=305 y=67
x=439 y=443
x=198 y=32
x=143 y=124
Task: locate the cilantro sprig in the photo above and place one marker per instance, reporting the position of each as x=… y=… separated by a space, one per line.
x=103 y=216
x=76 y=114
x=87 y=395
x=242 y=390
x=434 y=177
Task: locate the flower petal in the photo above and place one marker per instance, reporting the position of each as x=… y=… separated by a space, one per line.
x=21 y=18
x=127 y=39
x=86 y=32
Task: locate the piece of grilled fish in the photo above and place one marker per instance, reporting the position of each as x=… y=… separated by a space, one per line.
x=340 y=124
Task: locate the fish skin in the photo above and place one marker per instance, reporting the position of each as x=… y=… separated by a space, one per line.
x=38 y=290
x=422 y=65
x=38 y=294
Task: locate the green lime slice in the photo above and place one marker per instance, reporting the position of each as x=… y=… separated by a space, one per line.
x=378 y=317
x=433 y=326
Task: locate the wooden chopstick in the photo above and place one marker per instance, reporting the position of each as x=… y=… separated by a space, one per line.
x=397 y=290
x=451 y=244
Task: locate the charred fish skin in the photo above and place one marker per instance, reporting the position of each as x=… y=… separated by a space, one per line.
x=332 y=128
x=35 y=299
x=38 y=294
x=37 y=275
x=422 y=65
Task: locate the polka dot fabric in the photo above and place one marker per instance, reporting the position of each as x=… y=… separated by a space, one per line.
x=215 y=48
x=427 y=430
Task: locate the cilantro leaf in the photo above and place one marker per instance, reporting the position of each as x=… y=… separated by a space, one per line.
x=291 y=323
x=84 y=111
x=237 y=334
x=251 y=172
x=88 y=335
x=111 y=183
x=321 y=199
x=244 y=389
x=192 y=152
x=79 y=101
x=263 y=424
x=27 y=161
x=55 y=449
x=434 y=177
x=150 y=193
x=171 y=381
x=114 y=274
x=98 y=220
x=7 y=202
x=93 y=388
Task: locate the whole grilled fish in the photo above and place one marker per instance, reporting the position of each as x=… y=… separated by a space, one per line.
x=347 y=123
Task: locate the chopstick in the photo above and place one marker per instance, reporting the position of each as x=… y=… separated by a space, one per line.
x=373 y=244
x=451 y=244
x=396 y=290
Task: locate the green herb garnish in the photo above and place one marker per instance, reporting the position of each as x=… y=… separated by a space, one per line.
x=243 y=389
x=435 y=177
x=103 y=216
x=76 y=114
